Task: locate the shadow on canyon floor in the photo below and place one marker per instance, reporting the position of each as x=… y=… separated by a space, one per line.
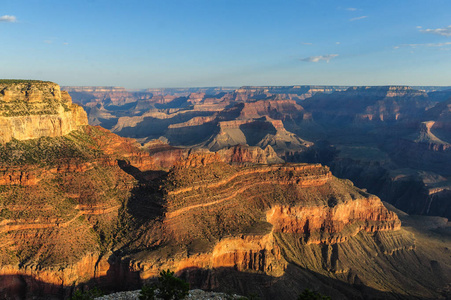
x=145 y=202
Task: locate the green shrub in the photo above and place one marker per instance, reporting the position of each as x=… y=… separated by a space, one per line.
x=169 y=288
x=308 y=294
x=147 y=292
x=87 y=295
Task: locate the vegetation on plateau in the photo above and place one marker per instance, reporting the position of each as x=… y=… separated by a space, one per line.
x=48 y=151
x=87 y=295
x=21 y=81
x=168 y=287
x=74 y=193
x=308 y=294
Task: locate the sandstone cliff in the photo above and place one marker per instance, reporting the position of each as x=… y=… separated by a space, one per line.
x=242 y=154
x=33 y=109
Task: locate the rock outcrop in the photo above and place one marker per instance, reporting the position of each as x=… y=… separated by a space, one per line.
x=33 y=109
x=319 y=221
x=242 y=154
x=260 y=132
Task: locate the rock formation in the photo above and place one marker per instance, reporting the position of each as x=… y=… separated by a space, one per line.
x=274 y=222
x=296 y=92
x=242 y=154
x=92 y=208
x=33 y=109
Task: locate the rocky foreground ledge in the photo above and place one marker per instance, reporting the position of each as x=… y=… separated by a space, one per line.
x=193 y=294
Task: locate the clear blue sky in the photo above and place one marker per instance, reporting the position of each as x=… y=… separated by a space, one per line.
x=168 y=43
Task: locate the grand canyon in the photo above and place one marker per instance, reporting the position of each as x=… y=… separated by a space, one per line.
x=255 y=190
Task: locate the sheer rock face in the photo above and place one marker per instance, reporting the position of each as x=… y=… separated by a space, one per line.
x=272 y=108
x=33 y=109
x=334 y=224
x=241 y=154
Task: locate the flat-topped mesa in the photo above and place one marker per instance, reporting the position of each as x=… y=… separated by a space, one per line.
x=31 y=109
x=271 y=108
x=94 y=89
x=385 y=91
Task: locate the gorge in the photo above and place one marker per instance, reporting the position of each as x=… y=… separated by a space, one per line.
x=81 y=206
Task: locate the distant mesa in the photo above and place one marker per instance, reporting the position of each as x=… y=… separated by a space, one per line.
x=93 y=89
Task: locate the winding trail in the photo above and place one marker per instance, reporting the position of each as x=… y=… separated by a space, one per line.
x=304 y=182
x=246 y=172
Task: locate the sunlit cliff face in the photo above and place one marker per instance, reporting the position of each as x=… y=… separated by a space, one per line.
x=33 y=109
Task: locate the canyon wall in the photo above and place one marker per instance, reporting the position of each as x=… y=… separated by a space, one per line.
x=91 y=208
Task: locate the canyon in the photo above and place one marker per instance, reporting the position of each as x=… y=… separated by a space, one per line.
x=86 y=207
x=365 y=134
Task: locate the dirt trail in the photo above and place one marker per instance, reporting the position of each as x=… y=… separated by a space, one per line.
x=83 y=210
x=242 y=173
x=313 y=181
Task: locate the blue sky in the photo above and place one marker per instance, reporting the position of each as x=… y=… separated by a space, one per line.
x=168 y=43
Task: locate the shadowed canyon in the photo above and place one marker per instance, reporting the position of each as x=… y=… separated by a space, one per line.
x=255 y=190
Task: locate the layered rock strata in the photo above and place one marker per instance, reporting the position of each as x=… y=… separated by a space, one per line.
x=60 y=202
x=33 y=109
x=91 y=208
